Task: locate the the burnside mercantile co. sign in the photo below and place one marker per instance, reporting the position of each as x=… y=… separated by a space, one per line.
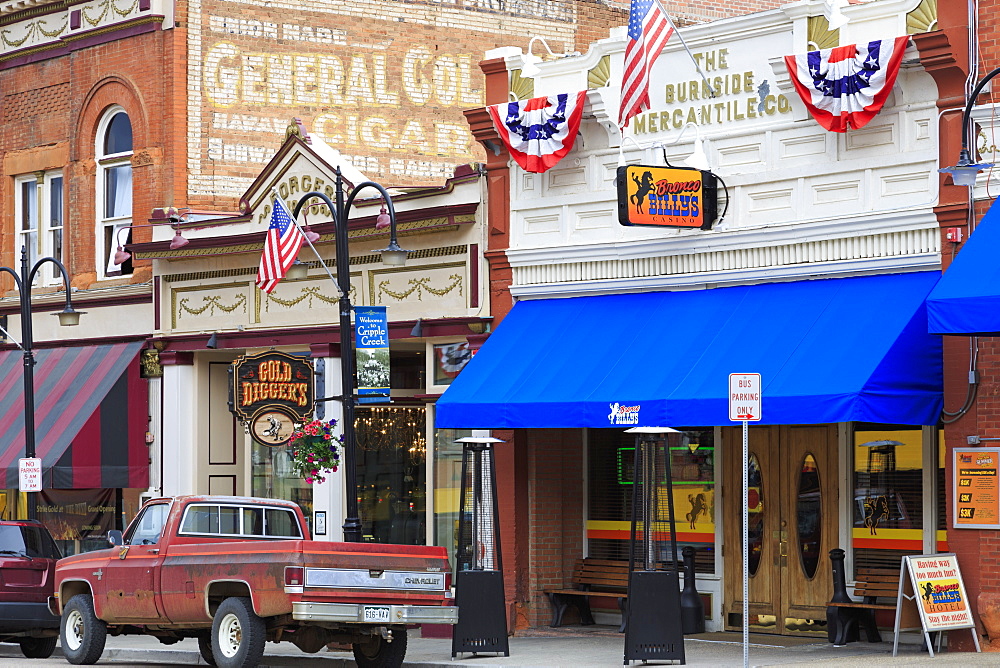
x=270 y=392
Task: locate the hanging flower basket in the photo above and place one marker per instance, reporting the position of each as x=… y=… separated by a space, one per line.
x=315 y=450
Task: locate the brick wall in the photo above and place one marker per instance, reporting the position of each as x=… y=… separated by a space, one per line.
x=59 y=102
x=978 y=550
x=556 y=515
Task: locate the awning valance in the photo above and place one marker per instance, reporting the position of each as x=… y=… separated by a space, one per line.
x=833 y=350
x=967 y=298
x=91 y=412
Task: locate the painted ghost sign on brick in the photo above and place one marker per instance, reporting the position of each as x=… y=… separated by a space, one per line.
x=385 y=83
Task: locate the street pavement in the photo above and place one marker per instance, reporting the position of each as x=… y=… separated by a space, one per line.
x=593 y=648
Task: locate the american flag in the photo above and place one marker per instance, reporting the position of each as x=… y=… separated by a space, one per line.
x=280 y=247
x=648 y=31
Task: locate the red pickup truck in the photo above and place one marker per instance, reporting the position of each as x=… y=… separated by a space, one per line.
x=235 y=572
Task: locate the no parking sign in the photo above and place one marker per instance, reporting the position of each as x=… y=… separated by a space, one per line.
x=29 y=474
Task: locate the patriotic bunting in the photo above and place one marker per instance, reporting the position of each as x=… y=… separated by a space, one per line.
x=847 y=86
x=539 y=132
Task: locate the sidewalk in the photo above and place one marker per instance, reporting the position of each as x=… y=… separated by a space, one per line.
x=597 y=648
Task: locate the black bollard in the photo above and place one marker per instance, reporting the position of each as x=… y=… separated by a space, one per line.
x=841 y=623
x=692 y=607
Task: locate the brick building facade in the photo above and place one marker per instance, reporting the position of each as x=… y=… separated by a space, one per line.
x=978 y=549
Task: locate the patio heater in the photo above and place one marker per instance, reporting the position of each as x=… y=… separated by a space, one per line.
x=479 y=590
x=653 y=619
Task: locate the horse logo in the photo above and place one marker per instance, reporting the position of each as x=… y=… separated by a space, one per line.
x=643 y=188
x=928 y=590
x=876 y=510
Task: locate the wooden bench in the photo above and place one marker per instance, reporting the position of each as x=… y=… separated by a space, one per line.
x=599 y=578
x=844 y=615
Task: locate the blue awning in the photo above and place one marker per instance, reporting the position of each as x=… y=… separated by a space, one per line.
x=833 y=350
x=967 y=298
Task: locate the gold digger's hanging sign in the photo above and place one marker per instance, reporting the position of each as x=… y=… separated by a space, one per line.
x=270 y=393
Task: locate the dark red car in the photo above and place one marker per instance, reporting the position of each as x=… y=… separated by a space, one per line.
x=28 y=558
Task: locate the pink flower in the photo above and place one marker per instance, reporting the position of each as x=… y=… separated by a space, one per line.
x=309 y=459
x=314 y=472
x=309 y=480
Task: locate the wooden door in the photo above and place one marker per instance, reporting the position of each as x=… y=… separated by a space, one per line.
x=793 y=526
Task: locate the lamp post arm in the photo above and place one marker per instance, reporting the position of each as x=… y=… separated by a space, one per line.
x=17 y=278
x=385 y=197
x=62 y=270
x=970 y=103
x=295 y=221
x=20 y=291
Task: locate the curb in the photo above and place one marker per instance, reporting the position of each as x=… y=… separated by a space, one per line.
x=193 y=658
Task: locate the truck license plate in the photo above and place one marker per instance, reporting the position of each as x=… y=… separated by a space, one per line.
x=375 y=613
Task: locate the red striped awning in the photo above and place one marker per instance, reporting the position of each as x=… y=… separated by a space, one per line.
x=91 y=412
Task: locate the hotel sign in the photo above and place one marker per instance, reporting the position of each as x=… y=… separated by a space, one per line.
x=271 y=392
x=666 y=197
x=940 y=591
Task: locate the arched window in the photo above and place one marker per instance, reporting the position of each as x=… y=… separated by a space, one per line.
x=114 y=190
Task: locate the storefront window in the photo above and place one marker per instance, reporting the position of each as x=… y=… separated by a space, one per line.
x=888 y=494
x=447 y=487
x=392 y=474
x=78 y=519
x=692 y=461
x=273 y=477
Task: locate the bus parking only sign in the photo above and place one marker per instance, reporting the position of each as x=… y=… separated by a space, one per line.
x=744 y=397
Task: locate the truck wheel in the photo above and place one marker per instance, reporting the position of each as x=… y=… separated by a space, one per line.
x=377 y=652
x=238 y=634
x=205 y=647
x=38 y=648
x=83 y=635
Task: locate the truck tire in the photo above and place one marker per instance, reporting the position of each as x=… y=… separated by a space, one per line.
x=205 y=648
x=238 y=634
x=380 y=653
x=81 y=633
x=38 y=648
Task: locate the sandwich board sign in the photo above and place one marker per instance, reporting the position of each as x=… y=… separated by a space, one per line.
x=940 y=596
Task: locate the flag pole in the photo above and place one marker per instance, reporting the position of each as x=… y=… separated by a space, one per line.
x=711 y=90
x=279 y=202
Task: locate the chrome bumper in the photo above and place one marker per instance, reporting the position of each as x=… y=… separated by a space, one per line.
x=354 y=613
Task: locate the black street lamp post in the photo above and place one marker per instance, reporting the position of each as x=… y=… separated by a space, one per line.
x=67 y=317
x=393 y=255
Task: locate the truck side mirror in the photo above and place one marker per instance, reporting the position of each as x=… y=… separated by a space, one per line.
x=115 y=538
